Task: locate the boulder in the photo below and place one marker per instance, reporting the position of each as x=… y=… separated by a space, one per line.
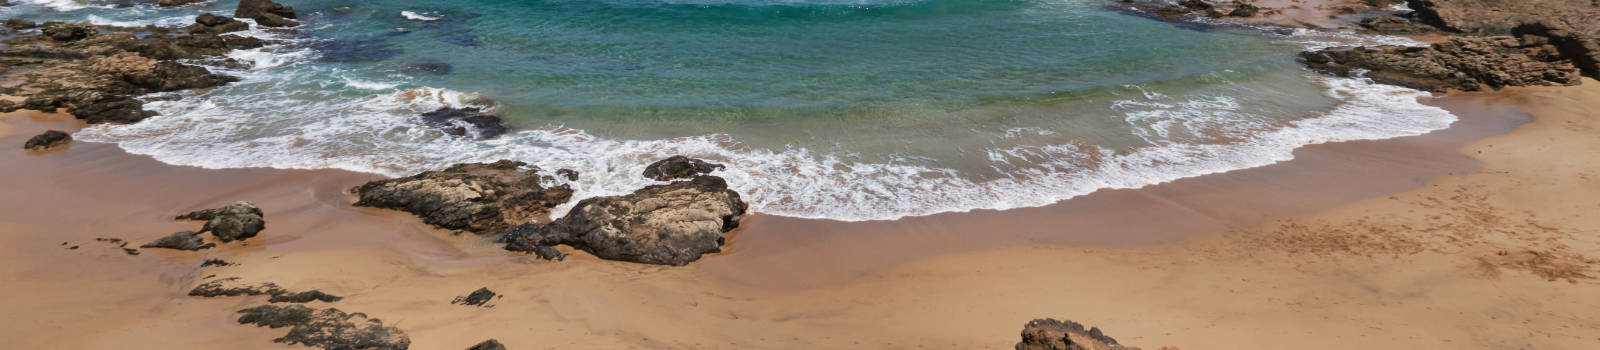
x=490 y=344
x=68 y=32
x=1466 y=64
x=237 y=221
x=47 y=140
x=671 y=224
x=20 y=24
x=326 y=328
x=266 y=13
x=679 y=167
x=476 y=197
x=186 y=240
x=214 y=24
x=111 y=109
x=1050 y=334
x=456 y=122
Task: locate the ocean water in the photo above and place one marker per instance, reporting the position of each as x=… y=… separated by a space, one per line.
x=846 y=110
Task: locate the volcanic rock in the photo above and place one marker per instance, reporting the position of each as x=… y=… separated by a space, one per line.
x=476 y=197
x=679 y=167
x=47 y=140
x=1050 y=334
x=237 y=221
x=671 y=224
x=326 y=328
x=185 y=240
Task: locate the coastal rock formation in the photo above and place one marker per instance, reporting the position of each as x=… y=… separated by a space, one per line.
x=1051 y=334
x=171 y=3
x=185 y=240
x=1170 y=10
x=1396 y=25
x=456 y=122
x=20 y=24
x=490 y=344
x=679 y=167
x=304 y=297
x=476 y=197
x=266 y=13
x=326 y=328
x=1466 y=64
x=671 y=224
x=1489 y=17
x=214 y=24
x=47 y=140
x=67 y=32
x=237 y=221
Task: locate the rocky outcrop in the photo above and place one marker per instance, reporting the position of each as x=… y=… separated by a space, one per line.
x=154 y=75
x=476 y=197
x=1395 y=25
x=171 y=3
x=237 y=221
x=1175 y=10
x=20 y=24
x=68 y=32
x=671 y=224
x=679 y=167
x=110 y=109
x=304 y=297
x=47 y=140
x=266 y=13
x=1051 y=334
x=490 y=344
x=457 y=121
x=214 y=24
x=1466 y=64
x=185 y=240
x=326 y=328
x=1491 y=17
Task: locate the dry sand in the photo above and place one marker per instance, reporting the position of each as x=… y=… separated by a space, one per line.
x=1401 y=243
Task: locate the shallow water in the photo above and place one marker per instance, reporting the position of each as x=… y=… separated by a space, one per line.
x=849 y=110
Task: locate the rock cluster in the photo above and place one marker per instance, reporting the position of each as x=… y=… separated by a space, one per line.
x=232 y=287
x=1169 y=10
x=1051 y=334
x=1466 y=64
x=326 y=328
x=671 y=224
x=266 y=13
x=476 y=197
x=47 y=140
x=679 y=167
x=185 y=240
x=456 y=122
x=237 y=221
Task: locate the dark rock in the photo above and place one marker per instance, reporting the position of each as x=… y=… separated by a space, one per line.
x=490 y=344
x=266 y=13
x=548 y=253
x=44 y=102
x=569 y=174
x=1050 y=334
x=671 y=224
x=6 y=106
x=456 y=121
x=1244 y=10
x=130 y=251
x=111 y=109
x=214 y=24
x=186 y=240
x=171 y=3
x=20 y=24
x=1465 y=64
x=67 y=32
x=237 y=221
x=326 y=328
x=304 y=297
x=47 y=140
x=477 y=197
x=679 y=167
x=231 y=287
x=1575 y=36
x=476 y=298
x=1396 y=25
x=215 y=262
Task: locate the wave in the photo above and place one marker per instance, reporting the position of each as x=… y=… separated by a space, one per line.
x=419 y=17
x=64 y=5
x=373 y=127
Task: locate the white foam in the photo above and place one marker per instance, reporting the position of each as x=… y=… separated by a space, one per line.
x=63 y=5
x=418 y=17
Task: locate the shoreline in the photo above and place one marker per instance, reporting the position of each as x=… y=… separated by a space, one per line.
x=390 y=265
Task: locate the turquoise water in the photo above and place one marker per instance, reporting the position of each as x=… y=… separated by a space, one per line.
x=849 y=110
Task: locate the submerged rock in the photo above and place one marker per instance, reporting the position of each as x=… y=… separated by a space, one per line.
x=490 y=344
x=1050 y=334
x=679 y=167
x=326 y=328
x=237 y=221
x=671 y=224
x=1466 y=64
x=186 y=240
x=266 y=13
x=456 y=121
x=476 y=197
x=47 y=140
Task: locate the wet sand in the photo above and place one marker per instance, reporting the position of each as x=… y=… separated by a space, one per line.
x=1401 y=243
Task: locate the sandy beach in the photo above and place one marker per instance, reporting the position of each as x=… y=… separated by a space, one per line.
x=1417 y=242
